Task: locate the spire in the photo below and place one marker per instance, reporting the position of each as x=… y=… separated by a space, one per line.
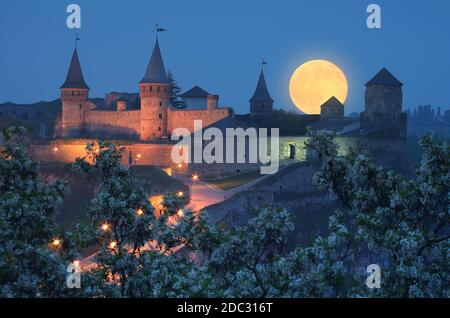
x=156 y=72
x=384 y=78
x=261 y=92
x=75 y=77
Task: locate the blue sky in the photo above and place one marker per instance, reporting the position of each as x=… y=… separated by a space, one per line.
x=218 y=45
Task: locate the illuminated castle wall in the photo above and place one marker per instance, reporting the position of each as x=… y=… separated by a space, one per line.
x=156 y=118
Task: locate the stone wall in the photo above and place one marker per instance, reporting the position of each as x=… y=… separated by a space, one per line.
x=238 y=209
x=295 y=144
x=185 y=118
x=66 y=151
x=110 y=124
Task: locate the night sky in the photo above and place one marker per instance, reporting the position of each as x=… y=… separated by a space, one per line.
x=219 y=44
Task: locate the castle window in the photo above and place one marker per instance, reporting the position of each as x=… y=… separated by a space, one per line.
x=160 y=104
x=81 y=106
x=73 y=93
x=151 y=88
x=159 y=128
x=158 y=88
x=160 y=116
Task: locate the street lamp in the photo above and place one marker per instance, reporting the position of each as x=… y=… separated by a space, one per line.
x=56 y=243
x=105 y=227
x=112 y=245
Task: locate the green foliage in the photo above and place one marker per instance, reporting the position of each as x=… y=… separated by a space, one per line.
x=131 y=236
x=29 y=266
x=403 y=225
x=175 y=99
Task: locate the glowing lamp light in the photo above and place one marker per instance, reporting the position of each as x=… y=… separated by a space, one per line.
x=105 y=227
x=56 y=243
x=139 y=156
x=55 y=149
x=112 y=245
x=180 y=165
x=180 y=194
x=195 y=177
x=180 y=213
x=139 y=212
x=76 y=263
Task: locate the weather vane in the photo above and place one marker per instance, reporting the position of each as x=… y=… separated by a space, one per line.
x=159 y=30
x=77 y=38
x=263 y=62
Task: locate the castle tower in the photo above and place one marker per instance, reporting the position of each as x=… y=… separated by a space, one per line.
x=74 y=97
x=261 y=102
x=331 y=109
x=155 y=90
x=383 y=106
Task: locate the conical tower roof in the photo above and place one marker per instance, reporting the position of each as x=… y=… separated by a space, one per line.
x=261 y=92
x=75 y=77
x=384 y=78
x=156 y=72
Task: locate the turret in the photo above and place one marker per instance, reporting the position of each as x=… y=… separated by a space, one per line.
x=383 y=106
x=261 y=102
x=74 y=97
x=155 y=90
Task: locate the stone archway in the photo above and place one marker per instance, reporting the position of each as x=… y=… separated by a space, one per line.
x=291 y=152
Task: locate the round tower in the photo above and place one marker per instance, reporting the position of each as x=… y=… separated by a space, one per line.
x=74 y=97
x=155 y=93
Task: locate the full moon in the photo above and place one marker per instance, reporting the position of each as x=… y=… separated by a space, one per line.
x=315 y=82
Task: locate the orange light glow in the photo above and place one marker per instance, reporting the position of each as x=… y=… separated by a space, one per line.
x=180 y=194
x=105 y=227
x=139 y=212
x=195 y=177
x=180 y=213
x=112 y=245
x=180 y=165
x=55 y=149
x=315 y=82
x=157 y=202
x=139 y=156
x=76 y=263
x=56 y=243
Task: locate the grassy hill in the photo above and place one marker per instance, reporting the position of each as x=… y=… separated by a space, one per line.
x=75 y=205
x=44 y=120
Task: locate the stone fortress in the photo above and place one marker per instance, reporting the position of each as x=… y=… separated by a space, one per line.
x=154 y=120
x=143 y=124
